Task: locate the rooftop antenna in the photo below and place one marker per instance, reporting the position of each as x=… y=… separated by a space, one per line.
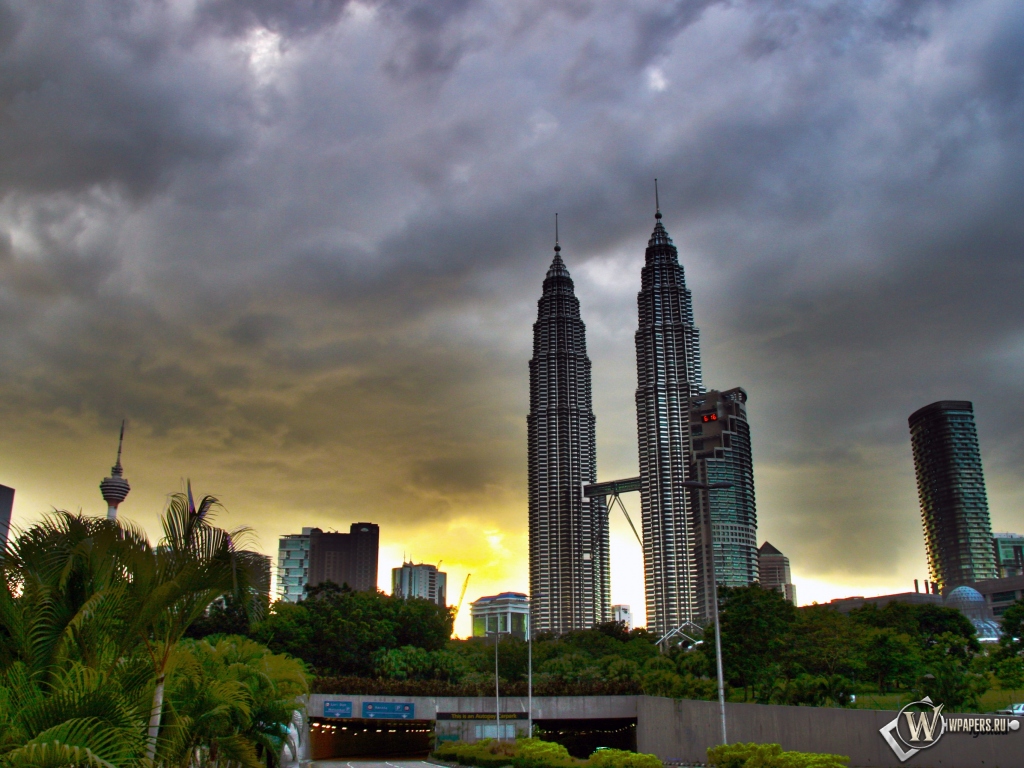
x=657 y=203
x=557 y=246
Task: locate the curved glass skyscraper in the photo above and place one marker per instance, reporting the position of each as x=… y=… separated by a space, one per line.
x=951 y=486
x=569 y=578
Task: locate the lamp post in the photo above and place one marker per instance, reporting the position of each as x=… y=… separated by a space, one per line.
x=497 y=690
x=706 y=525
x=529 y=676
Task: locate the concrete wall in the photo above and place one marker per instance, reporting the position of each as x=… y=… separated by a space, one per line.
x=683 y=730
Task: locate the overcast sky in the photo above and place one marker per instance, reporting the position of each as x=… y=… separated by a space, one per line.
x=299 y=245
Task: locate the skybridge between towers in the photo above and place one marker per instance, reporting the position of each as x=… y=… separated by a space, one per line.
x=612 y=489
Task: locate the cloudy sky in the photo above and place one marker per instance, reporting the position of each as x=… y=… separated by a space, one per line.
x=298 y=245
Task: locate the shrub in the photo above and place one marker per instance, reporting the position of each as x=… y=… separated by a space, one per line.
x=620 y=758
x=770 y=756
x=522 y=753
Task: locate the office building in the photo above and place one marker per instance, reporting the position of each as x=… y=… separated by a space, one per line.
x=420 y=580
x=115 y=488
x=773 y=571
x=668 y=375
x=1000 y=594
x=293 y=566
x=6 y=508
x=345 y=558
x=569 y=575
x=622 y=615
x=1009 y=553
x=719 y=452
x=951 y=487
x=507 y=613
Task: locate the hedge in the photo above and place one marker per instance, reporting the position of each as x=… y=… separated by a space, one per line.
x=535 y=753
x=770 y=756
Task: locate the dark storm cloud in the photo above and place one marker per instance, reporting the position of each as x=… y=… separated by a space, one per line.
x=299 y=244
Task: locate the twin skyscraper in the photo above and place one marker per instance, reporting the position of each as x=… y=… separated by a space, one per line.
x=688 y=437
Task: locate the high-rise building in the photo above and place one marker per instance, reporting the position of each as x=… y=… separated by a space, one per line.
x=6 y=507
x=719 y=452
x=668 y=375
x=951 y=487
x=115 y=488
x=623 y=615
x=569 y=576
x=1009 y=552
x=345 y=558
x=773 y=571
x=507 y=613
x=420 y=580
x=293 y=566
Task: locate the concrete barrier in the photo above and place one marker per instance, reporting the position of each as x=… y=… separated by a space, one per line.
x=682 y=731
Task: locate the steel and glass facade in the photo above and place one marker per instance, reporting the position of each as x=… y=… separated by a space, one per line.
x=569 y=576
x=720 y=453
x=293 y=566
x=668 y=375
x=951 y=487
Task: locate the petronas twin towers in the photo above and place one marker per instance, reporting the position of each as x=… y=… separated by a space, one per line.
x=569 y=561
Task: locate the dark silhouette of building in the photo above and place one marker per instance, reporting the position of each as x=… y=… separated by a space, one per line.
x=115 y=488
x=668 y=375
x=569 y=576
x=345 y=558
x=773 y=571
x=6 y=507
x=951 y=487
x=720 y=453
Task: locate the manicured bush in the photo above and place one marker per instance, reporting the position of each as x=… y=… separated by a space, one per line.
x=770 y=756
x=621 y=758
x=535 y=753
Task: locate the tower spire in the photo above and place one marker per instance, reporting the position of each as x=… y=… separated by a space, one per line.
x=657 y=203
x=115 y=488
x=557 y=246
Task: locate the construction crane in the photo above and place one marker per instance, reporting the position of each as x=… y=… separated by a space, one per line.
x=462 y=596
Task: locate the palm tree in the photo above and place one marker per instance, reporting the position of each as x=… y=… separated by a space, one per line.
x=90 y=617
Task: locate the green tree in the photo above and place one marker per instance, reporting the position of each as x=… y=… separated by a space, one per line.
x=1011 y=642
x=892 y=658
x=951 y=674
x=754 y=621
x=341 y=632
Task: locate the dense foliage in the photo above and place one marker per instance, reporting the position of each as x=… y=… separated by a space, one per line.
x=94 y=666
x=368 y=642
x=535 y=753
x=770 y=756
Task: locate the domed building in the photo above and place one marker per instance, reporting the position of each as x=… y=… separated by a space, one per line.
x=971 y=604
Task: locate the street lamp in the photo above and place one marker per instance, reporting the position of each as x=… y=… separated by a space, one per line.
x=497 y=691
x=706 y=525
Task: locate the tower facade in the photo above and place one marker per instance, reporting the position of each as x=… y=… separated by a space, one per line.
x=668 y=375
x=115 y=488
x=420 y=580
x=569 y=576
x=773 y=571
x=345 y=558
x=720 y=453
x=951 y=487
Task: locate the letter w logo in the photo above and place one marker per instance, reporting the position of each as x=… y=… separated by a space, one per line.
x=925 y=726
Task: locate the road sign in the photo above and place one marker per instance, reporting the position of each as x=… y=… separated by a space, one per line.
x=389 y=710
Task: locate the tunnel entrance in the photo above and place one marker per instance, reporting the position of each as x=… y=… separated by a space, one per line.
x=353 y=737
x=582 y=737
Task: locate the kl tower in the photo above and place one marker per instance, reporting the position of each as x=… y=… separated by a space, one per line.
x=115 y=488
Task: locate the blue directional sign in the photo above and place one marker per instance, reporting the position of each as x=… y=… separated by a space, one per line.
x=337 y=709
x=389 y=710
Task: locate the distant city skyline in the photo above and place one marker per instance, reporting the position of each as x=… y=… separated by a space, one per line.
x=297 y=247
